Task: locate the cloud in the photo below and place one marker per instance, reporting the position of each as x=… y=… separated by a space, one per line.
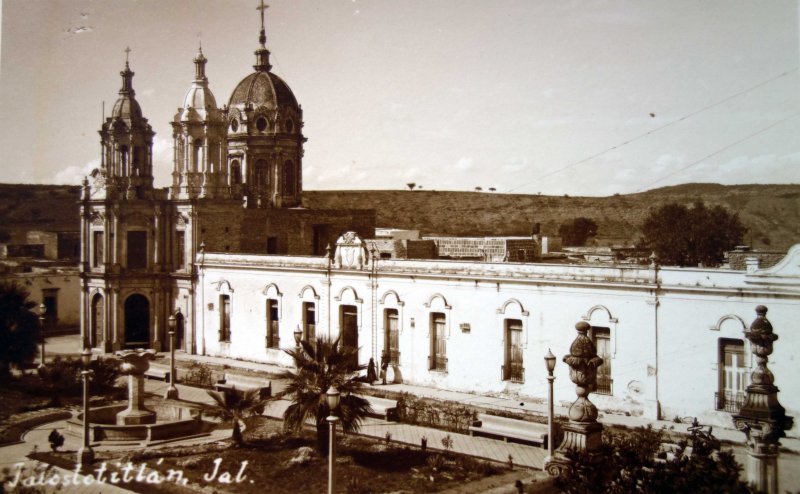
x=464 y=164
x=73 y=175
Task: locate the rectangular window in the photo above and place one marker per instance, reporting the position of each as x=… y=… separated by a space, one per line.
x=602 y=340
x=137 y=250
x=437 y=360
x=50 y=298
x=180 y=250
x=348 y=330
x=733 y=375
x=272 y=323
x=272 y=245
x=309 y=323
x=99 y=245
x=512 y=367
x=224 y=318
x=391 y=345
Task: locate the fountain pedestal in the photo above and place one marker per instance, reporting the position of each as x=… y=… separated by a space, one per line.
x=134 y=364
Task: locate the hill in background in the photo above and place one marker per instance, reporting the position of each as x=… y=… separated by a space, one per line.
x=770 y=212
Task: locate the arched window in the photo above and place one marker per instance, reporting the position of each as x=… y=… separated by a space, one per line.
x=288 y=178
x=123 y=158
x=198 y=145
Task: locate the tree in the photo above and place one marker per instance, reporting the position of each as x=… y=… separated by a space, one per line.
x=411 y=185
x=577 y=231
x=235 y=406
x=688 y=237
x=19 y=327
x=317 y=369
x=629 y=461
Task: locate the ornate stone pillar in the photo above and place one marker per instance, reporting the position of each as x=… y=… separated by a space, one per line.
x=762 y=418
x=583 y=432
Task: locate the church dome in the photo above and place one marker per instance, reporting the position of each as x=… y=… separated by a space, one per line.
x=126 y=108
x=262 y=88
x=199 y=101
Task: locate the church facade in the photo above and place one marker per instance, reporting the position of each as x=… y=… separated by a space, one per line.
x=236 y=187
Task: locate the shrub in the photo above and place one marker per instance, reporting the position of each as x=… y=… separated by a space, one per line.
x=105 y=373
x=59 y=377
x=443 y=415
x=199 y=374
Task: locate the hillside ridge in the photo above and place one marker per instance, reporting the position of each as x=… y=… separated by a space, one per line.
x=771 y=212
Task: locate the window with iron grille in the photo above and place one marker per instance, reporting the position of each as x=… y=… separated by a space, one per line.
x=512 y=367
x=602 y=340
x=437 y=360
x=733 y=375
x=309 y=323
x=225 y=318
x=272 y=323
x=392 y=345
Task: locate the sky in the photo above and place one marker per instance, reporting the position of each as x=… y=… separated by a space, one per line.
x=554 y=97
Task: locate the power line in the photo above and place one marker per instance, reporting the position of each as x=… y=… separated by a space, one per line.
x=669 y=124
x=719 y=151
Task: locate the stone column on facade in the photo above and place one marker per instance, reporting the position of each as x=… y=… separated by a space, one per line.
x=157 y=258
x=115 y=245
x=114 y=326
x=582 y=433
x=86 y=338
x=159 y=313
x=762 y=418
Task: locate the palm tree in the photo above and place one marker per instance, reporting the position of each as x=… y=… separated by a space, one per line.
x=235 y=406
x=317 y=369
x=19 y=327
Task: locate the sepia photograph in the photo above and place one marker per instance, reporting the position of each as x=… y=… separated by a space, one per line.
x=377 y=246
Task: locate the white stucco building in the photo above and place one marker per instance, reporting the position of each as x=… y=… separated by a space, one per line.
x=672 y=338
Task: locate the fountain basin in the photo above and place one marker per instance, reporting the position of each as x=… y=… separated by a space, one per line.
x=174 y=421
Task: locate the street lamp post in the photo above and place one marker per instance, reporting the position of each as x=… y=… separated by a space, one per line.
x=85 y=453
x=42 y=312
x=333 y=403
x=172 y=390
x=298 y=335
x=550 y=362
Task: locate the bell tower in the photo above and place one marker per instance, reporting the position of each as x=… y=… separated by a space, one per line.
x=199 y=137
x=127 y=145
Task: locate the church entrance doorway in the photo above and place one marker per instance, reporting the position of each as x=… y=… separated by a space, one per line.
x=137 y=322
x=348 y=324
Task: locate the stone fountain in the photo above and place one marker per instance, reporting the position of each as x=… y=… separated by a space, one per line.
x=158 y=421
x=134 y=364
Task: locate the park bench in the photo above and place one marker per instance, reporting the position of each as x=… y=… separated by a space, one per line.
x=382 y=407
x=236 y=382
x=157 y=372
x=519 y=430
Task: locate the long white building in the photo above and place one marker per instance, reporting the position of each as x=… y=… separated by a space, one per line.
x=672 y=338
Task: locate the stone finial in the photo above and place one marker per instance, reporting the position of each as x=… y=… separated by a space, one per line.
x=582 y=432
x=583 y=363
x=762 y=418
